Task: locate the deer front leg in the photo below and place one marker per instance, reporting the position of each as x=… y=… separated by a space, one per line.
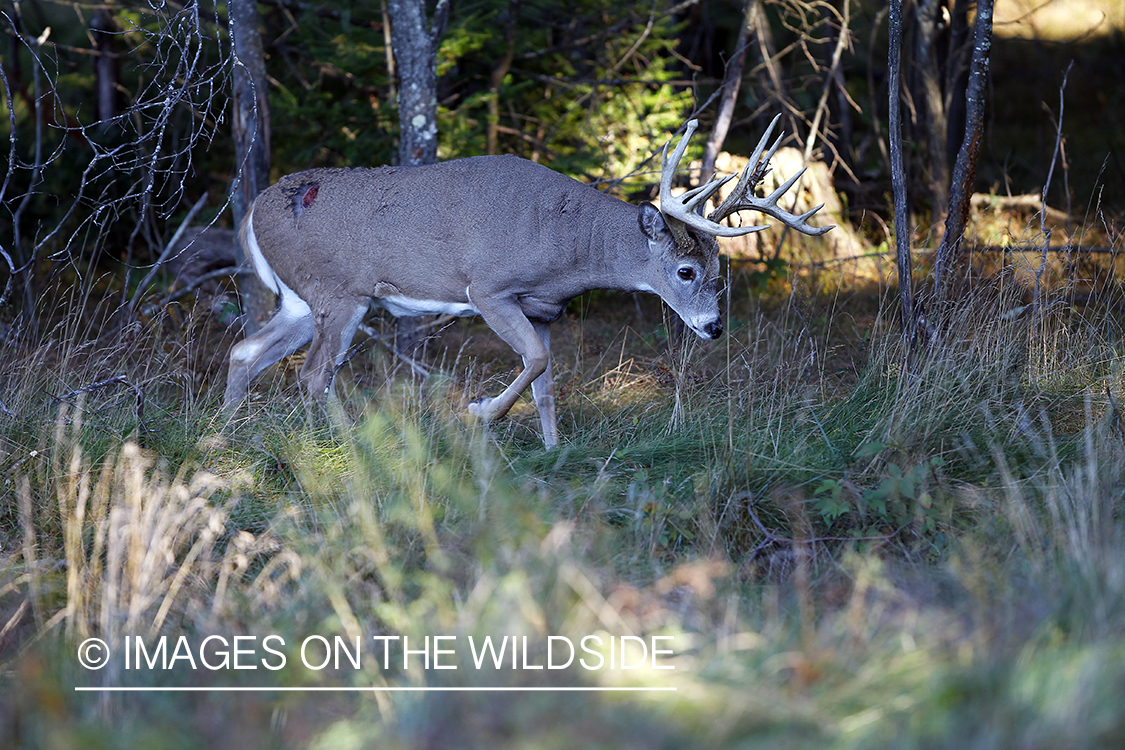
x=505 y=317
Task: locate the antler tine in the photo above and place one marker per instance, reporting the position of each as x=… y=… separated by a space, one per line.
x=692 y=198
x=668 y=166
x=695 y=196
x=682 y=209
x=757 y=156
x=742 y=199
x=752 y=174
x=768 y=205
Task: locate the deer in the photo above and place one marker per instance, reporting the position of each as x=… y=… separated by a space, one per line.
x=501 y=237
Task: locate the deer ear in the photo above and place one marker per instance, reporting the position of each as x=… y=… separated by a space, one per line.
x=652 y=222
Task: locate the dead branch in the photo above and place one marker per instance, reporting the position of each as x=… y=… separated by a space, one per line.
x=138 y=392
x=167 y=252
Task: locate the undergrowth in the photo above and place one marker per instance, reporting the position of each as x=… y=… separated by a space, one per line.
x=919 y=555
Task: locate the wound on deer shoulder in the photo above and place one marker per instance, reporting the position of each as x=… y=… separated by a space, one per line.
x=309 y=196
x=303 y=198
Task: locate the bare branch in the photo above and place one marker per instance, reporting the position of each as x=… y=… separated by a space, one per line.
x=138 y=393
x=199 y=204
x=199 y=281
x=1036 y=298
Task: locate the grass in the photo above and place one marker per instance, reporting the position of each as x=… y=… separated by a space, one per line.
x=844 y=553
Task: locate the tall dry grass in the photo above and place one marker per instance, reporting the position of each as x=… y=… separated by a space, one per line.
x=922 y=557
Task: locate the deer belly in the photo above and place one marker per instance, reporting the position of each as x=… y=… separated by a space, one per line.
x=404 y=307
x=540 y=310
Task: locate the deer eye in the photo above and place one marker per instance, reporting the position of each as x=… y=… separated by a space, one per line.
x=687 y=274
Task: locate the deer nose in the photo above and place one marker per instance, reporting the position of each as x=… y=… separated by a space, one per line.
x=714 y=329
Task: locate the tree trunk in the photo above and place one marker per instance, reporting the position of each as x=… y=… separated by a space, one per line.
x=777 y=83
x=415 y=51
x=415 y=61
x=499 y=72
x=105 y=65
x=251 y=133
x=732 y=83
x=965 y=170
x=898 y=181
x=937 y=162
x=957 y=63
x=837 y=16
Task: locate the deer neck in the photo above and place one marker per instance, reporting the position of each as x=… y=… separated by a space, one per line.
x=619 y=257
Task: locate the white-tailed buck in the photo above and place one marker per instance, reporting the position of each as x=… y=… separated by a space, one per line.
x=495 y=236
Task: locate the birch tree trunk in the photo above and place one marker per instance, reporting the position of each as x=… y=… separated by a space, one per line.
x=415 y=45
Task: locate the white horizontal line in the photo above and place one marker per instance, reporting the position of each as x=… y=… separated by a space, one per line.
x=372 y=689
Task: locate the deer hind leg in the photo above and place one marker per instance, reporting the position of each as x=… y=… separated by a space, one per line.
x=290 y=328
x=505 y=317
x=543 y=390
x=333 y=332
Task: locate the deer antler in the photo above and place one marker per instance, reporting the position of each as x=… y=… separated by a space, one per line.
x=681 y=210
x=742 y=197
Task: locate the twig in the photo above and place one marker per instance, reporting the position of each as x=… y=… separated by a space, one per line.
x=8 y=176
x=643 y=166
x=37 y=164
x=604 y=33
x=624 y=59
x=1008 y=249
x=11 y=275
x=372 y=335
x=772 y=538
x=821 y=108
x=201 y=280
x=199 y=204
x=846 y=259
x=872 y=88
x=11 y=132
x=137 y=391
x=732 y=83
x=837 y=53
x=1035 y=300
x=155 y=152
x=417 y=367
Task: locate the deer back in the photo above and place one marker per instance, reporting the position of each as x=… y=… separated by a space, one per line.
x=499 y=223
